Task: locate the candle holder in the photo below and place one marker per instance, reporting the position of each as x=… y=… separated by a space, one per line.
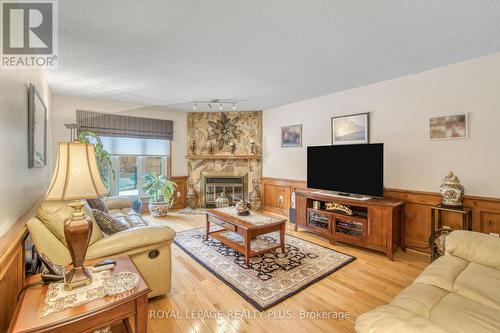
x=232 y=145
x=193 y=147
x=210 y=147
x=252 y=147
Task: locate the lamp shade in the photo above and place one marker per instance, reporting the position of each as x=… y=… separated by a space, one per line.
x=76 y=175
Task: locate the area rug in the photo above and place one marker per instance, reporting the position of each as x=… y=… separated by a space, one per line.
x=271 y=277
x=190 y=211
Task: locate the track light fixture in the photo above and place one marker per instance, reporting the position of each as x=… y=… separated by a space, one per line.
x=210 y=103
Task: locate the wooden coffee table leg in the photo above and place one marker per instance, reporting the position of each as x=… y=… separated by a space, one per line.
x=248 y=243
x=282 y=238
x=208 y=226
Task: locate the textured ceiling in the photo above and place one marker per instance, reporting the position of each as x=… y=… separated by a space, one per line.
x=262 y=53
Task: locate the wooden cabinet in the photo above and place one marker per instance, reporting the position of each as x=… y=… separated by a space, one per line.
x=374 y=224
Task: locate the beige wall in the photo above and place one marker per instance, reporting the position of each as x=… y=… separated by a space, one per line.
x=20 y=186
x=400 y=111
x=65 y=112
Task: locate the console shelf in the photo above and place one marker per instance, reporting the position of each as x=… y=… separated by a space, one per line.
x=375 y=223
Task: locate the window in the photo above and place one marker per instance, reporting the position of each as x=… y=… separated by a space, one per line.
x=131 y=159
x=127 y=175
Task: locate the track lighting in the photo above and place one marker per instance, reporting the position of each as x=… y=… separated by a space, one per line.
x=213 y=103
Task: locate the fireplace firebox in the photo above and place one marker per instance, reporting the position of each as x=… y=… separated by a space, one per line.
x=232 y=185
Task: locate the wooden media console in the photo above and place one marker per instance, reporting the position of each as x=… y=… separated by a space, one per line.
x=374 y=224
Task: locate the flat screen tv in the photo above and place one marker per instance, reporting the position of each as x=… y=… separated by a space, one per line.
x=347 y=169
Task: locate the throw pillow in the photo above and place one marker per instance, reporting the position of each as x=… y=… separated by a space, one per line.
x=53 y=214
x=97 y=204
x=109 y=224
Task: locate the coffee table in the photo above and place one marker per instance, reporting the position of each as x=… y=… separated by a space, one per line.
x=248 y=227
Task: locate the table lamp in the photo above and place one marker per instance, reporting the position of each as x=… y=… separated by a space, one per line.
x=76 y=177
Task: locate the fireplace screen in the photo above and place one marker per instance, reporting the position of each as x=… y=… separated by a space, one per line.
x=231 y=187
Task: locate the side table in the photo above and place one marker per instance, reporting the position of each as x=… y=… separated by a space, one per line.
x=88 y=317
x=437 y=218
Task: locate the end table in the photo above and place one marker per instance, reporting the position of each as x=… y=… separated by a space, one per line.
x=97 y=314
x=437 y=217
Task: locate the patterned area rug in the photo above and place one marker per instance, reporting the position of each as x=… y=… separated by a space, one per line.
x=190 y=211
x=273 y=276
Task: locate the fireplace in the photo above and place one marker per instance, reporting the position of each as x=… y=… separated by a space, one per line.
x=233 y=185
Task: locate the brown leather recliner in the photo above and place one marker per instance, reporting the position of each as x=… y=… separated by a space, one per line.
x=148 y=246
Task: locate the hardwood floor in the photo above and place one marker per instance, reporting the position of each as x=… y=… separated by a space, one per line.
x=200 y=303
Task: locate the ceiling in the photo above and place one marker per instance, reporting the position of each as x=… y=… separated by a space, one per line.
x=262 y=53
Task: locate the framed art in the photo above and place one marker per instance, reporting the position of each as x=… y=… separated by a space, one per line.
x=291 y=136
x=351 y=129
x=450 y=127
x=37 y=129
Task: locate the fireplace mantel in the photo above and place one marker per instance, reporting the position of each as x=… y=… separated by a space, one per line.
x=223 y=157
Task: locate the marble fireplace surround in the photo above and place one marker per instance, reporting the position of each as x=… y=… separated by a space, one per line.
x=223 y=161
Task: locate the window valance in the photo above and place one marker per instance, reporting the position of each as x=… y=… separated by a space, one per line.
x=105 y=124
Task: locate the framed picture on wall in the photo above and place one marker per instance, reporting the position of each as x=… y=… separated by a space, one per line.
x=351 y=129
x=291 y=136
x=37 y=129
x=450 y=127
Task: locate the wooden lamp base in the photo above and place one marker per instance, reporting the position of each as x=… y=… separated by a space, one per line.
x=77 y=231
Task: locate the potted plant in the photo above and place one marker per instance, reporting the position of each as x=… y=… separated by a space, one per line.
x=102 y=156
x=160 y=191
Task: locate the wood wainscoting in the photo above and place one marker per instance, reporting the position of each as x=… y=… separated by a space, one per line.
x=485 y=215
x=485 y=211
x=12 y=274
x=180 y=201
x=273 y=189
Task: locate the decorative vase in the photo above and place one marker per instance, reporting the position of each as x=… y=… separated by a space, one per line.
x=222 y=201
x=452 y=192
x=243 y=207
x=159 y=208
x=192 y=198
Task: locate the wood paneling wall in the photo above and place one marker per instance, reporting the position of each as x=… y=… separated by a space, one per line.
x=12 y=275
x=485 y=215
x=180 y=202
x=273 y=188
x=486 y=211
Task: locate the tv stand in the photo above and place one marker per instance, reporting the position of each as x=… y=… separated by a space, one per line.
x=374 y=224
x=343 y=195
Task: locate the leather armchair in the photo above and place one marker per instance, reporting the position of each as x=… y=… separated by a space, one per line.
x=148 y=246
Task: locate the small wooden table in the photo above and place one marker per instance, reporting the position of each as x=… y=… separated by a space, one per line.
x=248 y=227
x=97 y=314
x=437 y=224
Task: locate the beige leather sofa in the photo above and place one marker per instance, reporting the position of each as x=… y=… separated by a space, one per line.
x=459 y=292
x=147 y=246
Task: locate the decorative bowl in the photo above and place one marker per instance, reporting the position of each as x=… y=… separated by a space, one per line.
x=120 y=282
x=243 y=208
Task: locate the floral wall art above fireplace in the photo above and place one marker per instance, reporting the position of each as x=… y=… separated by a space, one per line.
x=224 y=130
